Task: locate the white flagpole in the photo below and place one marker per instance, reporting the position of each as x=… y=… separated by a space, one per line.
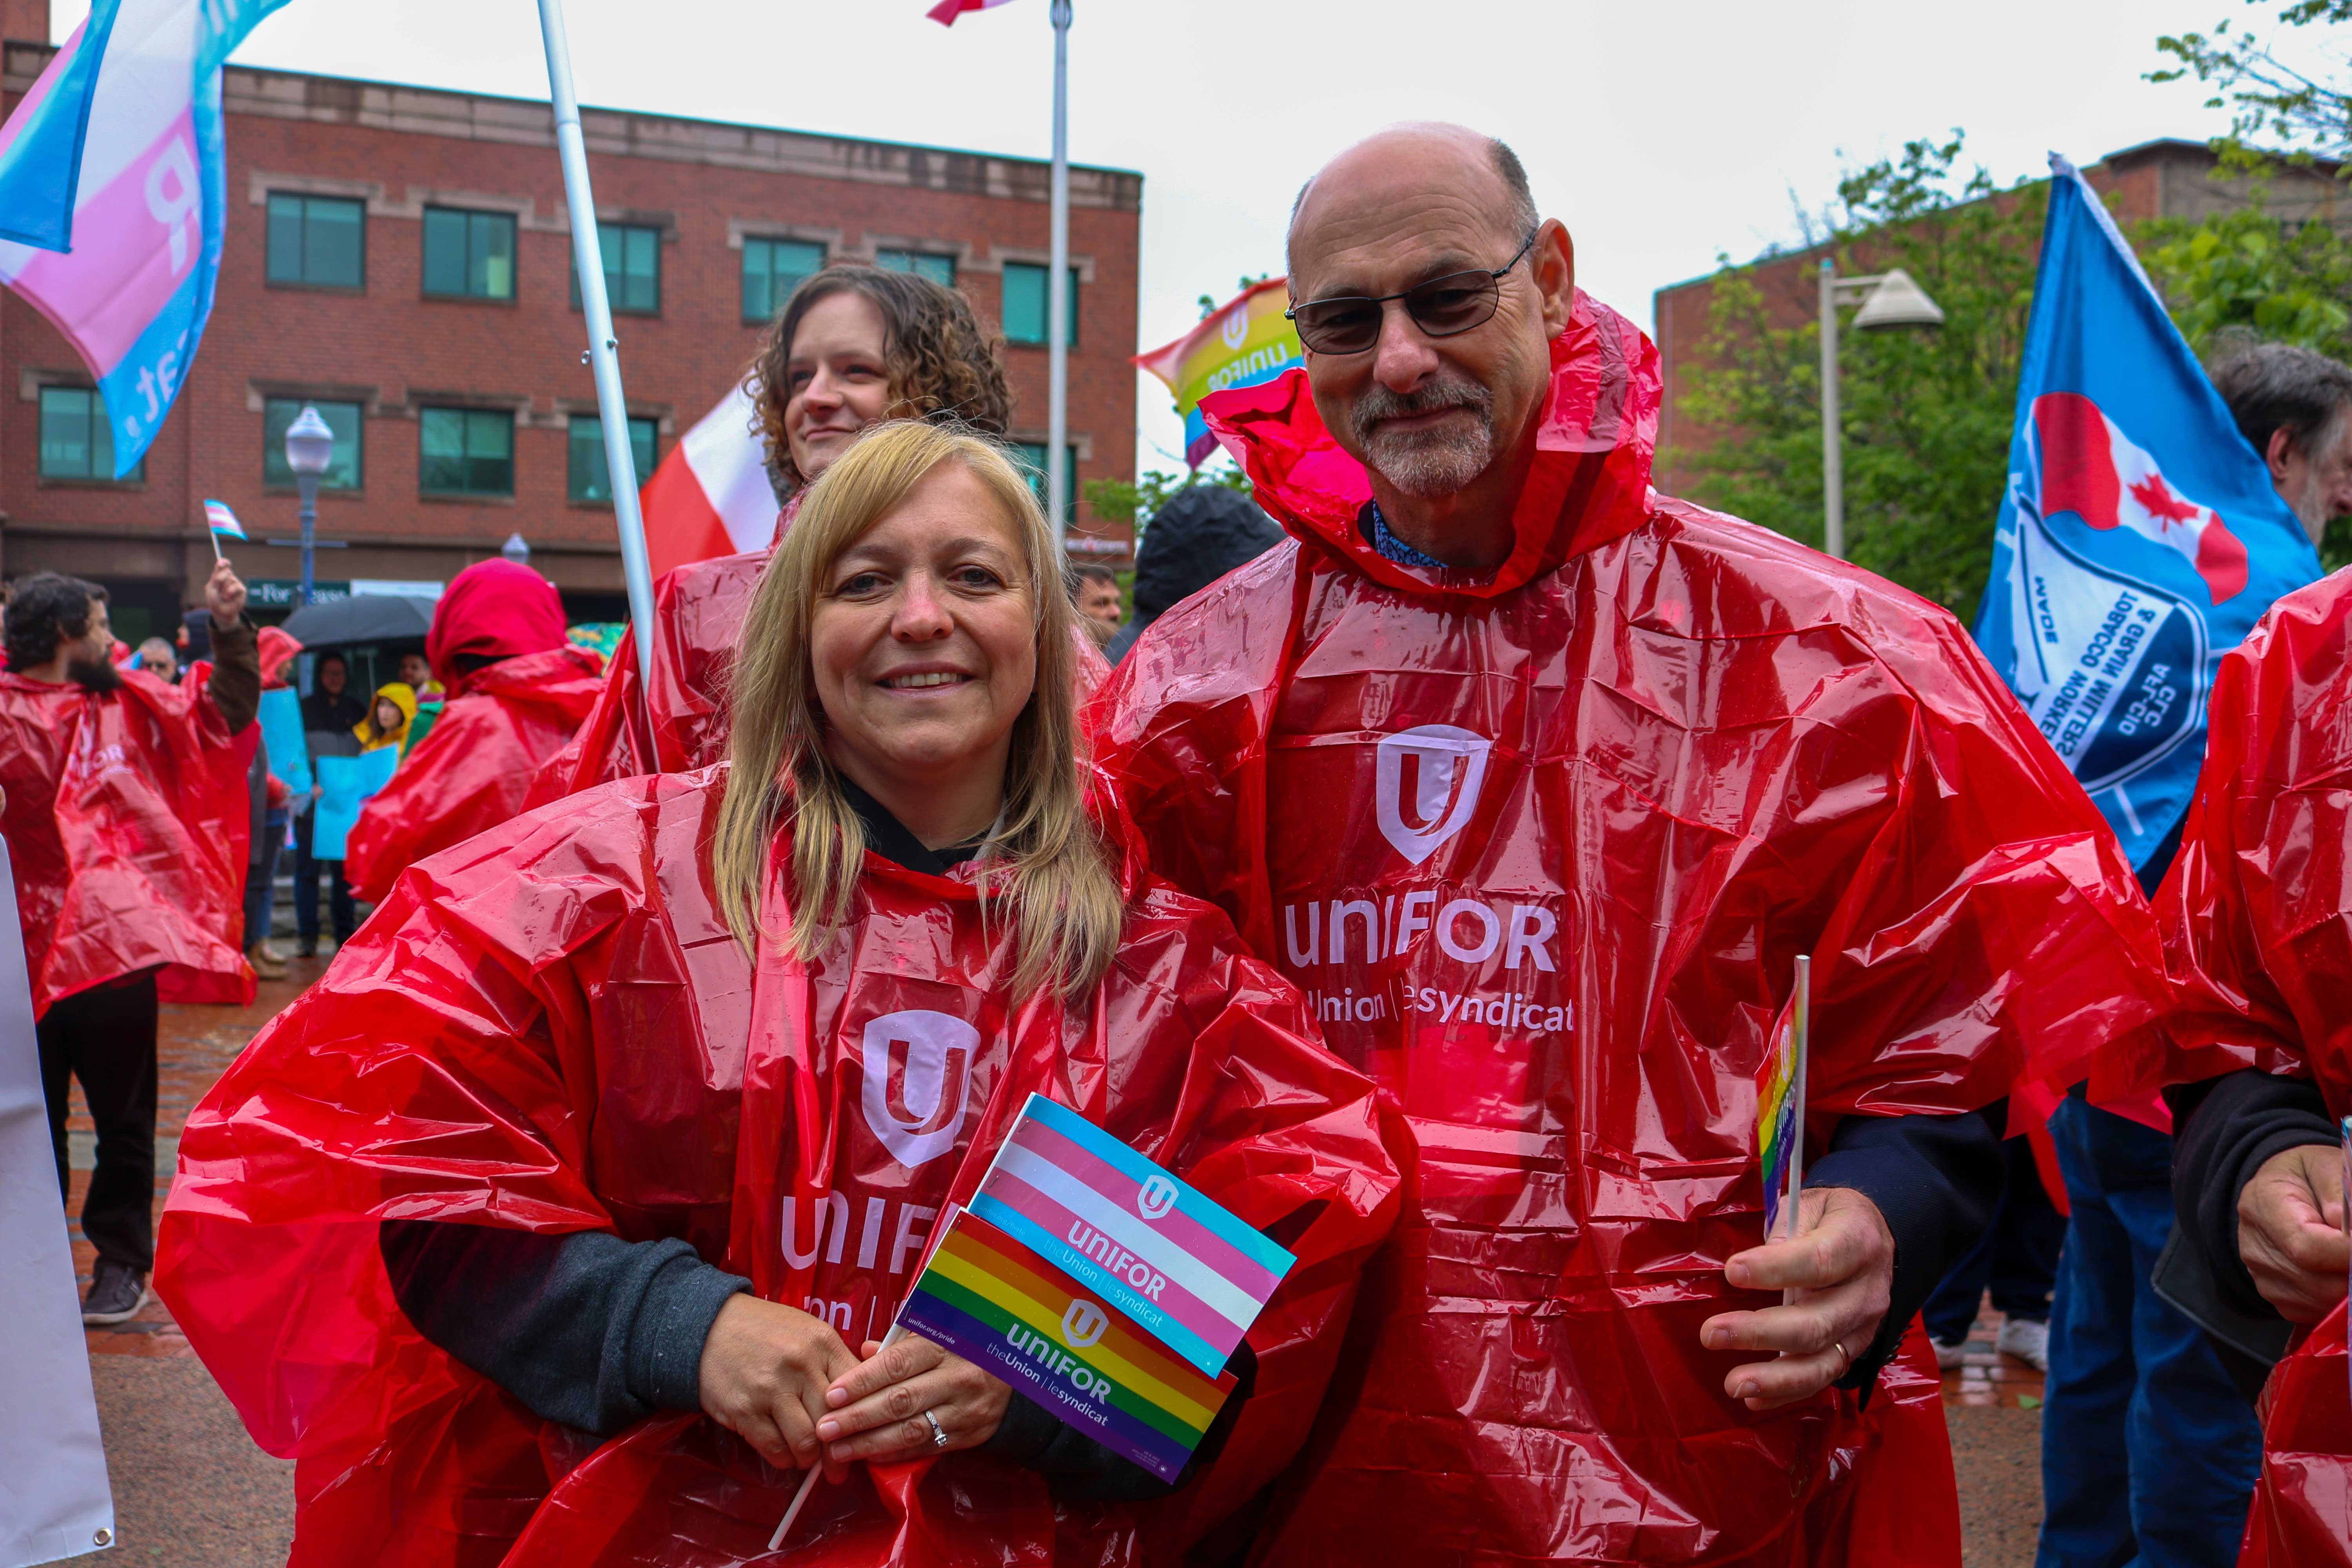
x=603 y=350
x=1058 y=478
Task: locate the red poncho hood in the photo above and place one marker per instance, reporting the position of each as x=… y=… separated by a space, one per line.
x=1589 y=481
x=471 y=770
x=493 y=608
x=275 y=647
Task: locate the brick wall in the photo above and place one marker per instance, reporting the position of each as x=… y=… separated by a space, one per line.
x=703 y=184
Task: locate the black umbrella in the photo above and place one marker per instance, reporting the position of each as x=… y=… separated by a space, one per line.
x=362 y=618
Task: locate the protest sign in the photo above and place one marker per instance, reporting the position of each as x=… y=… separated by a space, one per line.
x=345 y=784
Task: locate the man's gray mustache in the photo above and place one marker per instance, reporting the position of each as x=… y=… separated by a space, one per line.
x=1380 y=403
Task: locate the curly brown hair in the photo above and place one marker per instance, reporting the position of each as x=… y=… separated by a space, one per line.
x=942 y=364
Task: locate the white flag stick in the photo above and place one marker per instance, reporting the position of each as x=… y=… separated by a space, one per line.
x=808 y=1481
x=603 y=354
x=1059 y=478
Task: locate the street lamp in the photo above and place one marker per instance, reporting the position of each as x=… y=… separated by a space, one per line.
x=309 y=450
x=1887 y=300
x=515 y=549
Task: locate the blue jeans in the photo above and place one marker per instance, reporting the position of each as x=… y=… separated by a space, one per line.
x=2017 y=1256
x=2148 y=1453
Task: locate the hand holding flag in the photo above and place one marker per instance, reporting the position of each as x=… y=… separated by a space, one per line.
x=1104 y=1289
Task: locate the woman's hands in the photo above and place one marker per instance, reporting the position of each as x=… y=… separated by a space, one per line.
x=1841 y=1272
x=766 y=1372
x=877 y=1412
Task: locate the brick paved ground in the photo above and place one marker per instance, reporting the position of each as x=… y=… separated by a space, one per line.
x=192 y=1491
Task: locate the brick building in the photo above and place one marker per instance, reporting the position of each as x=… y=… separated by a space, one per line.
x=2154 y=180
x=402 y=257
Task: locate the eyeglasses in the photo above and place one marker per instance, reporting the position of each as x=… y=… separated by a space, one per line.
x=1441 y=307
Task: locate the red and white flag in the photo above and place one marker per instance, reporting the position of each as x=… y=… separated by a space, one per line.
x=2090 y=467
x=711 y=495
x=947 y=11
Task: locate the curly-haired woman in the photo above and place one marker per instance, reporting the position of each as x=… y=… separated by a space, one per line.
x=852 y=346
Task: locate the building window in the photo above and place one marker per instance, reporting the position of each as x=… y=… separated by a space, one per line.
x=466 y=452
x=591 y=477
x=469 y=255
x=343 y=418
x=772 y=268
x=1025 y=304
x=632 y=269
x=940 y=269
x=1031 y=456
x=319 y=242
x=77 y=442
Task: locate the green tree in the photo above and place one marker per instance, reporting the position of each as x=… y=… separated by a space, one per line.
x=1926 y=414
x=2267 y=96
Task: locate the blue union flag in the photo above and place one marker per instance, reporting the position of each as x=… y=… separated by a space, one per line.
x=2139 y=539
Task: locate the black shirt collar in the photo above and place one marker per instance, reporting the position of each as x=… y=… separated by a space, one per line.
x=891 y=839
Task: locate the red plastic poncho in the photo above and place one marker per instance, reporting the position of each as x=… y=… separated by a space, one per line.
x=2257 y=920
x=127 y=821
x=500 y=726
x=699 y=612
x=1541 y=851
x=551 y=1030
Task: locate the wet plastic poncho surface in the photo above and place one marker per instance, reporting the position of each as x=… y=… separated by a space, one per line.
x=551 y=1030
x=472 y=770
x=2257 y=920
x=699 y=612
x=127 y=819
x=1541 y=851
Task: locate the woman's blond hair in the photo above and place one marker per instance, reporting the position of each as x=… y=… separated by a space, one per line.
x=1049 y=871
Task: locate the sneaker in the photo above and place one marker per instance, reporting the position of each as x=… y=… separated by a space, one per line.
x=1949 y=1357
x=116 y=1293
x=2026 y=1340
x=265 y=963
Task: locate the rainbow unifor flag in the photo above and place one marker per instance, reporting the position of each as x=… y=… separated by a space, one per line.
x=1780 y=1105
x=1186 y=1270
x=993 y=1302
x=1245 y=340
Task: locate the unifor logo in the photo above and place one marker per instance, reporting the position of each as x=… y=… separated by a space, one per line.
x=1425 y=783
x=1236 y=328
x=1156 y=1197
x=917 y=1074
x=1083 y=1324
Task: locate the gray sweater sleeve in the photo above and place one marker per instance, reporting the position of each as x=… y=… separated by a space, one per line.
x=585 y=1329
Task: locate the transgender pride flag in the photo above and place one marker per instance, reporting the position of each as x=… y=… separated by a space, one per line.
x=112 y=196
x=1183 y=1267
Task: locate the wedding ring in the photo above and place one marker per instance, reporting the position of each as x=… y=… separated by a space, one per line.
x=939 y=1438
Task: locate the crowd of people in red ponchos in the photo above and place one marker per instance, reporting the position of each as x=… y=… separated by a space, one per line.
x=1420 y=882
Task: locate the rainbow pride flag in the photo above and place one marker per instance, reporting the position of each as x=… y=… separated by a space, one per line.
x=1242 y=342
x=1780 y=1105
x=1188 y=1272
x=995 y=1303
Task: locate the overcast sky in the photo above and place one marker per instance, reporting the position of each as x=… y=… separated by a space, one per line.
x=1663 y=134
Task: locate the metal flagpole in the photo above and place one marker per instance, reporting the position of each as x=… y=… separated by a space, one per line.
x=1058 y=477
x=603 y=350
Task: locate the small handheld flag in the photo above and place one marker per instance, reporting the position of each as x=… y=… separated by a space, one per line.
x=998 y=1305
x=222 y=520
x=1111 y=1293
x=1243 y=341
x=1780 y=1105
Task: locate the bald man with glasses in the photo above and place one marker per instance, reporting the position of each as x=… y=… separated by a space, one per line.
x=1537 y=783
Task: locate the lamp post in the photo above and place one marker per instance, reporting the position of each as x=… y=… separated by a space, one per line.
x=516 y=550
x=1887 y=300
x=309 y=450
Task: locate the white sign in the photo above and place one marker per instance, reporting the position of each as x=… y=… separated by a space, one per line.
x=54 y=1499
